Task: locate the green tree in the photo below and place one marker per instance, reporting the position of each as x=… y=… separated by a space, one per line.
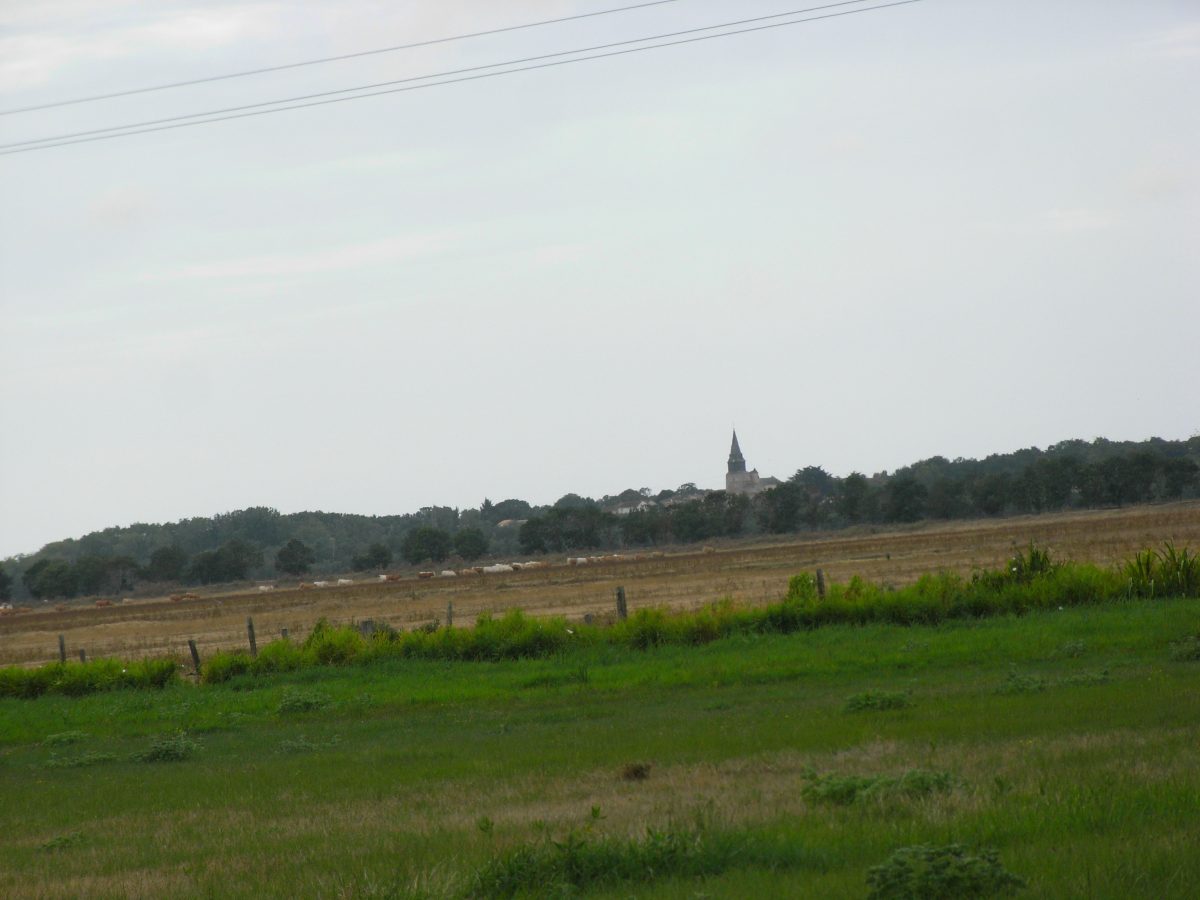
x=376 y=556
x=425 y=543
x=904 y=499
x=853 y=499
x=5 y=585
x=1178 y=476
x=50 y=578
x=470 y=543
x=166 y=564
x=232 y=561
x=295 y=558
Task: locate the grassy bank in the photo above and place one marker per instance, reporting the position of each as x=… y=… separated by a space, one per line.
x=1064 y=740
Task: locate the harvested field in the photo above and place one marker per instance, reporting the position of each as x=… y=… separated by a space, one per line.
x=751 y=572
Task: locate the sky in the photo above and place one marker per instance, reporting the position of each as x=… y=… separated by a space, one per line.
x=954 y=227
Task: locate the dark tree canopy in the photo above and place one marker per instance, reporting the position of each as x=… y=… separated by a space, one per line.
x=166 y=564
x=426 y=543
x=470 y=543
x=376 y=556
x=295 y=558
x=231 y=561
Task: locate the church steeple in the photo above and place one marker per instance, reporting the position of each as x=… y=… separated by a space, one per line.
x=737 y=462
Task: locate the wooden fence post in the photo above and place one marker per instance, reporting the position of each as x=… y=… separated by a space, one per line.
x=62 y=649
x=450 y=614
x=250 y=634
x=195 y=656
x=283 y=633
x=622 y=609
x=82 y=655
x=820 y=584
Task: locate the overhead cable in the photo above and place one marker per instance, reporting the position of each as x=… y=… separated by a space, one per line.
x=251 y=110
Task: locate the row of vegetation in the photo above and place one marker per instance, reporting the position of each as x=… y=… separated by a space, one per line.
x=235 y=560
x=1031 y=581
x=260 y=542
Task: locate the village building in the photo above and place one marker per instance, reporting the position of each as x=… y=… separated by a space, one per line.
x=738 y=480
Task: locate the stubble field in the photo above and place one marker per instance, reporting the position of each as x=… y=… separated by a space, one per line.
x=749 y=572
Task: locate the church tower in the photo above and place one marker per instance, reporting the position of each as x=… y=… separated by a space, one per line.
x=740 y=481
x=737 y=462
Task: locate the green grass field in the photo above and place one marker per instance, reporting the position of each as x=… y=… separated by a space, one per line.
x=1068 y=741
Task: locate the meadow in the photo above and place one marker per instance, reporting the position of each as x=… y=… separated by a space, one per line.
x=1056 y=753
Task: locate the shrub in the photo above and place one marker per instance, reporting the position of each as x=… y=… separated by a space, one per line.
x=63 y=738
x=90 y=758
x=278 y=656
x=1016 y=683
x=168 y=748
x=78 y=678
x=328 y=645
x=941 y=873
x=580 y=862
x=294 y=701
x=844 y=790
x=636 y=771
x=1186 y=650
x=223 y=665
x=877 y=700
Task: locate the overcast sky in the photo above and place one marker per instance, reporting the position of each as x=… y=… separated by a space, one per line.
x=955 y=227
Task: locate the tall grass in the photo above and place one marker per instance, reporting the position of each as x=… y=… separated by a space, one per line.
x=1030 y=581
x=76 y=678
x=580 y=862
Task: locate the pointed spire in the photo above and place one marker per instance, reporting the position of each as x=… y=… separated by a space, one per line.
x=737 y=462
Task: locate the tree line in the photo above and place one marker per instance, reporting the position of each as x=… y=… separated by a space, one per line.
x=260 y=542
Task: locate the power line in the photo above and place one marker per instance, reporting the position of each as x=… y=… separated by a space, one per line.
x=48 y=143
x=328 y=59
x=444 y=75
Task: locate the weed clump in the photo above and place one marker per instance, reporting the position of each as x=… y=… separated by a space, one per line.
x=63 y=738
x=635 y=771
x=294 y=701
x=1017 y=683
x=951 y=872
x=845 y=790
x=580 y=862
x=77 y=678
x=878 y=700
x=168 y=748
x=1186 y=650
x=90 y=758
x=61 y=842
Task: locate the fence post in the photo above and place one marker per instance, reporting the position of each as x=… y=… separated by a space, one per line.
x=450 y=614
x=195 y=656
x=250 y=634
x=62 y=649
x=283 y=633
x=82 y=655
x=622 y=609
x=820 y=584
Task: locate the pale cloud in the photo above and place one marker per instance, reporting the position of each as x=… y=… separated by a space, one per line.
x=1078 y=220
x=352 y=256
x=121 y=207
x=33 y=58
x=1180 y=42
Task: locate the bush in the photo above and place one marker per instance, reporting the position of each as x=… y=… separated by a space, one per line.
x=168 y=748
x=876 y=700
x=327 y=645
x=580 y=862
x=303 y=701
x=844 y=790
x=78 y=678
x=223 y=665
x=941 y=873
